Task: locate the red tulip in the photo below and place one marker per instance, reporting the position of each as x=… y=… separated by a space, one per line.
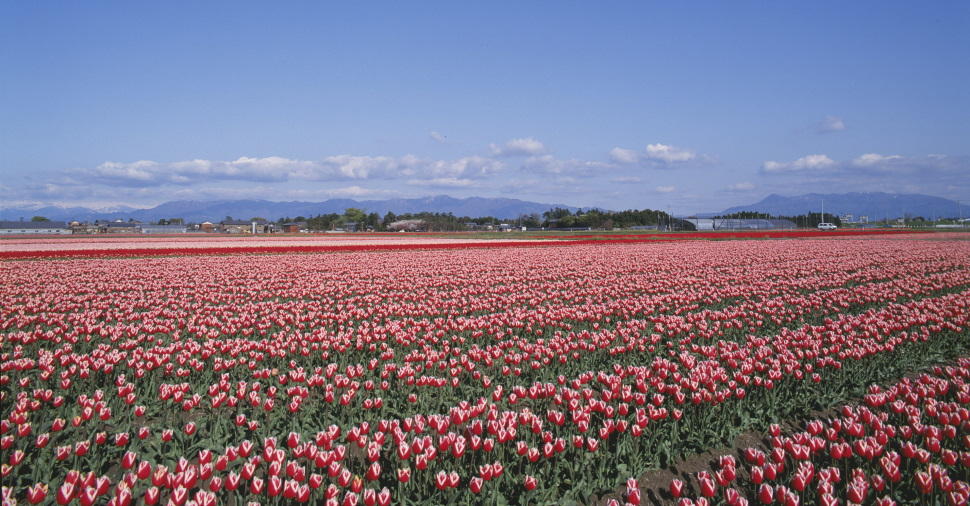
x=924 y=482
x=232 y=481
x=151 y=495
x=475 y=484
x=374 y=471
x=275 y=486
x=256 y=485
x=766 y=494
x=529 y=482
x=36 y=493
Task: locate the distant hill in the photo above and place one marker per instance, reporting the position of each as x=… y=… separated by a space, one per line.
x=195 y=211
x=875 y=205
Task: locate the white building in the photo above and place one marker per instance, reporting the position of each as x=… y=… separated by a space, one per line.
x=34 y=228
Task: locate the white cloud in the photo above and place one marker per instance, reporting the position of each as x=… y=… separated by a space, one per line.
x=624 y=156
x=518 y=147
x=944 y=176
x=668 y=154
x=809 y=162
x=662 y=154
x=446 y=182
x=356 y=191
x=666 y=189
x=359 y=167
x=830 y=124
x=741 y=187
x=873 y=165
x=871 y=159
x=437 y=137
x=549 y=164
x=145 y=173
x=469 y=166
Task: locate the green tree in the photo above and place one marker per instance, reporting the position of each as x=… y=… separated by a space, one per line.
x=39 y=218
x=529 y=220
x=354 y=215
x=373 y=221
x=556 y=213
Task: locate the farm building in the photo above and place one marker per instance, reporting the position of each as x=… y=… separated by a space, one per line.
x=701 y=224
x=295 y=227
x=164 y=229
x=85 y=228
x=34 y=227
x=259 y=226
x=120 y=227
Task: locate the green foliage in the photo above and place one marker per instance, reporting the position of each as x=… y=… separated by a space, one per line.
x=597 y=218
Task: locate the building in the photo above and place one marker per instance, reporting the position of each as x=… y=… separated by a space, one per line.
x=164 y=229
x=79 y=228
x=237 y=226
x=849 y=218
x=259 y=226
x=701 y=224
x=294 y=228
x=120 y=227
x=34 y=227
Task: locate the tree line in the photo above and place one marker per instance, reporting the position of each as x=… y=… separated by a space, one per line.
x=809 y=220
x=357 y=219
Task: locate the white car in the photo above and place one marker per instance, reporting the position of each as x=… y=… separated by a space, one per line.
x=827 y=226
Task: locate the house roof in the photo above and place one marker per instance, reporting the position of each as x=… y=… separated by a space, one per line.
x=243 y=222
x=33 y=225
x=163 y=227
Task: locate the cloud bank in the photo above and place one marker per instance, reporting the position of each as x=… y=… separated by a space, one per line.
x=654 y=154
x=520 y=168
x=518 y=147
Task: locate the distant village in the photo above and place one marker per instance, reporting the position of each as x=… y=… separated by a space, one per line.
x=43 y=226
x=356 y=220
x=255 y=226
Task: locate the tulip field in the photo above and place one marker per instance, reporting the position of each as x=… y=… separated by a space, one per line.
x=507 y=374
x=907 y=440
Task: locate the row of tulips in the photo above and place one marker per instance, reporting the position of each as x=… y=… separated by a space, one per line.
x=429 y=376
x=58 y=247
x=908 y=443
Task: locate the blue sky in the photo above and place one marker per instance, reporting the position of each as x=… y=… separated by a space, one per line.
x=690 y=106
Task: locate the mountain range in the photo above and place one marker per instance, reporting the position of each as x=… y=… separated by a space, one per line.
x=195 y=211
x=875 y=205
